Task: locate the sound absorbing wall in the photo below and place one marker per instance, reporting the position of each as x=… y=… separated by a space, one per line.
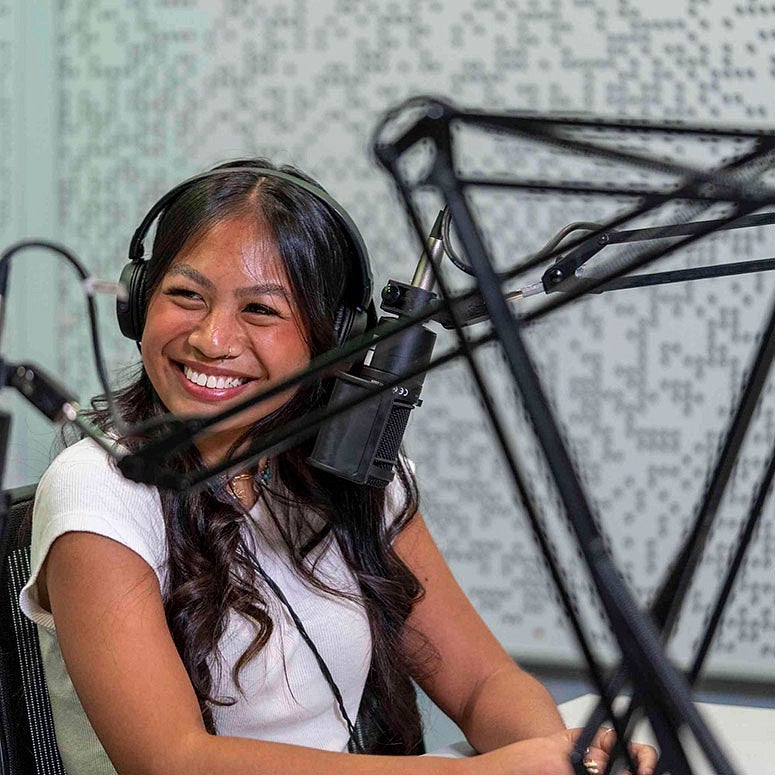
x=103 y=106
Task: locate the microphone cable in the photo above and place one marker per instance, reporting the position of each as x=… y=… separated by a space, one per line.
x=464 y=266
x=91 y=287
x=355 y=743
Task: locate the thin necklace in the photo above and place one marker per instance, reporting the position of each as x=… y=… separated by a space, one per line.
x=261 y=478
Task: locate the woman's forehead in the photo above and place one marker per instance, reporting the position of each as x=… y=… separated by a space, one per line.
x=242 y=245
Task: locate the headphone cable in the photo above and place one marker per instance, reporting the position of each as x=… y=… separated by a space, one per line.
x=91 y=286
x=355 y=742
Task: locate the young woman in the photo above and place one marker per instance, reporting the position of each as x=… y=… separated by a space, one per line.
x=245 y=628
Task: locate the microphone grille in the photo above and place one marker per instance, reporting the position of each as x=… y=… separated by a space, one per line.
x=387 y=450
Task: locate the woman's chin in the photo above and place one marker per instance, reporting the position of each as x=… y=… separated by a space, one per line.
x=215 y=444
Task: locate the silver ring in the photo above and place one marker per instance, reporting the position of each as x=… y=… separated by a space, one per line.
x=606 y=732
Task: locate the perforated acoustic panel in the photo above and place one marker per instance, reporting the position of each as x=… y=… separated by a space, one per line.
x=150 y=92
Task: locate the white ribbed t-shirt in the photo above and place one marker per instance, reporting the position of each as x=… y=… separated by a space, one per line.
x=284 y=696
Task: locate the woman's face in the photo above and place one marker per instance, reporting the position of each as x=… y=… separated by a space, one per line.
x=221 y=326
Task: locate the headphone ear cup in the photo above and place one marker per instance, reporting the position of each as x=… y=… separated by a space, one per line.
x=131 y=313
x=351 y=322
x=343 y=324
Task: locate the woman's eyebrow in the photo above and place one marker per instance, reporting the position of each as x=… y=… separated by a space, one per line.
x=192 y=274
x=261 y=289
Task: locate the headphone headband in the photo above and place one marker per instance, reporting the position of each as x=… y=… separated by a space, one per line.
x=136 y=249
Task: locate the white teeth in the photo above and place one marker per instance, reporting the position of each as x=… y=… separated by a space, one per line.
x=211 y=381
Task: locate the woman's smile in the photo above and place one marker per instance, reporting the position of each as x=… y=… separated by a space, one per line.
x=209 y=383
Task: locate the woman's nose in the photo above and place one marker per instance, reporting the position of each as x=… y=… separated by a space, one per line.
x=216 y=336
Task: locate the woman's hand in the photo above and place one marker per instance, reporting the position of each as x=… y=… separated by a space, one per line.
x=644 y=757
x=551 y=756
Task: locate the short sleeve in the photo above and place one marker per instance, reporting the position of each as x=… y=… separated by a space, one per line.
x=82 y=490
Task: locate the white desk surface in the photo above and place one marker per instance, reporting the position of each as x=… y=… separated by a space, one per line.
x=747 y=735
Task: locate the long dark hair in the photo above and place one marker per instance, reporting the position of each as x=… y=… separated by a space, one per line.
x=209 y=575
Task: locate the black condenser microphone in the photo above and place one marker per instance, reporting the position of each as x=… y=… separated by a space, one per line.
x=362 y=444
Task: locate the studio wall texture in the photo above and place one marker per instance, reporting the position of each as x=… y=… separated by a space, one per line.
x=105 y=105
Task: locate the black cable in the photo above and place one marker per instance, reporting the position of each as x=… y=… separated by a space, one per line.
x=87 y=282
x=355 y=742
x=221 y=490
x=464 y=266
x=186 y=428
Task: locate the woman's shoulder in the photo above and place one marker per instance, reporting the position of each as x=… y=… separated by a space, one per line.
x=84 y=452
x=83 y=479
x=83 y=491
x=88 y=458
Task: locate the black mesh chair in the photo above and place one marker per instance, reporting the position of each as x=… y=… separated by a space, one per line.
x=27 y=741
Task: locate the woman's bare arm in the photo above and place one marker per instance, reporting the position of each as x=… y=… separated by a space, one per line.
x=476 y=682
x=505 y=713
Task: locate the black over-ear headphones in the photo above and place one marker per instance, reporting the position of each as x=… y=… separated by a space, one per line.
x=356 y=311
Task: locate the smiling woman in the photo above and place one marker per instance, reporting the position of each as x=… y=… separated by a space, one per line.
x=275 y=622
x=223 y=324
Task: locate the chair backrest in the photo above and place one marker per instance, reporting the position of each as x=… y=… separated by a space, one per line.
x=27 y=741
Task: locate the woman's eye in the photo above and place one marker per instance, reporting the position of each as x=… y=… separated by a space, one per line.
x=260 y=309
x=183 y=293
